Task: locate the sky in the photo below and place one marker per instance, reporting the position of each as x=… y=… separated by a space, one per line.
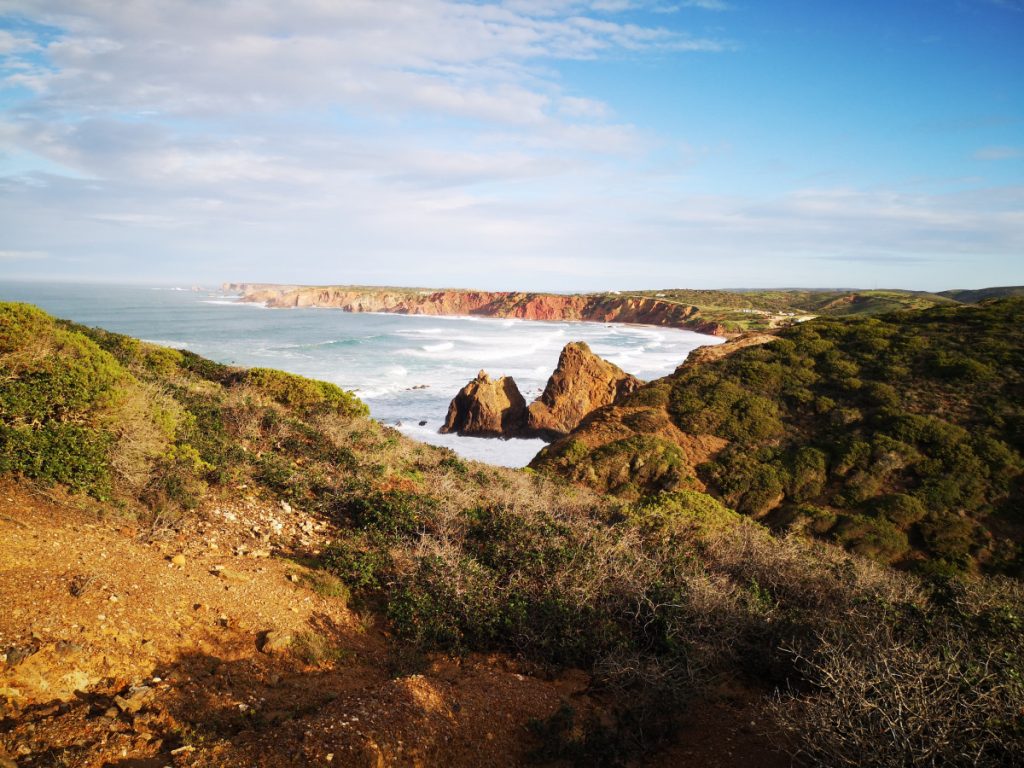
x=514 y=144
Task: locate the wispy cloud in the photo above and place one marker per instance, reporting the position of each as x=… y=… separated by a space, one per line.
x=998 y=153
x=22 y=255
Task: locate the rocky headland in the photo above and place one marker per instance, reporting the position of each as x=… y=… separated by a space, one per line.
x=601 y=308
x=581 y=383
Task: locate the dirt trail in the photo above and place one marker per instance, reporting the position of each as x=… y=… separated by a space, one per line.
x=121 y=652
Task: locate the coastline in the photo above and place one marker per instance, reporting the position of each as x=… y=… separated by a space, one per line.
x=600 y=308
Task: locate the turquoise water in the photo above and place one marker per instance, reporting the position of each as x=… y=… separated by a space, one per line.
x=381 y=357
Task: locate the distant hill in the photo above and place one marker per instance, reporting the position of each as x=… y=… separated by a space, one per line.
x=900 y=436
x=982 y=294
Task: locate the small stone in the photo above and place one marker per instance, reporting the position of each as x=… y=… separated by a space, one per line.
x=276 y=642
x=285 y=506
x=113 y=598
x=178 y=560
x=135 y=700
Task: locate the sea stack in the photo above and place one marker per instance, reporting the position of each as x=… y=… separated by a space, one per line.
x=582 y=383
x=488 y=408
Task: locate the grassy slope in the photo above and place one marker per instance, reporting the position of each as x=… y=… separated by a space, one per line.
x=899 y=436
x=756 y=310
x=660 y=599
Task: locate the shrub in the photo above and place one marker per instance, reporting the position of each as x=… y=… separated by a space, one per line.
x=915 y=686
x=362 y=561
x=300 y=392
x=393 y=512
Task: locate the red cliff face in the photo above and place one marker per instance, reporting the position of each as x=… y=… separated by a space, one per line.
x=526 y=306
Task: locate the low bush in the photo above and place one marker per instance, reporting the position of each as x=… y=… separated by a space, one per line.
x=300 y=392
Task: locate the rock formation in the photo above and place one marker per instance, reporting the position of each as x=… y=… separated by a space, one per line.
x=581 y=383
x=488 y=408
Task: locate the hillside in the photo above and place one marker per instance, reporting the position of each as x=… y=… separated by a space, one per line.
x=210 y=566
x=984 y=294
x=899 y=436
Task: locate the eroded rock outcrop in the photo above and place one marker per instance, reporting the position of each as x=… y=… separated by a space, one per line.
x=582 y=383
x=488 y=407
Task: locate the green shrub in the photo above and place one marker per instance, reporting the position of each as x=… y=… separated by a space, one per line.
x=300 y=392
x=362 y=561
x=393 y=513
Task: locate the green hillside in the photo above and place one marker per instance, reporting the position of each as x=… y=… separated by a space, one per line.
x=900 y=436
x=983 y=294
x=756 y=310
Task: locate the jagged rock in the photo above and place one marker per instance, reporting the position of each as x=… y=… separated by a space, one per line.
x=581 y=383
x=487 y=408
x=136 y=698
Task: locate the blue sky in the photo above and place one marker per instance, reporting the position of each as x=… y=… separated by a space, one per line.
x=521 y=144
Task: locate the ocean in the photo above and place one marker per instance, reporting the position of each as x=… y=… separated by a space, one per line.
x=407 y=368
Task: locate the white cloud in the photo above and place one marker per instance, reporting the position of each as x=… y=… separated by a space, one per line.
x=401 y=141
x=11 y=43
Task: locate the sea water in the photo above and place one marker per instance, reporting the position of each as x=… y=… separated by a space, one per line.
x=407 y=368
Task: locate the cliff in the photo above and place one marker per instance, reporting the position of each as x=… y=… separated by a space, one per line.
x=601 y=308
x=581 y=383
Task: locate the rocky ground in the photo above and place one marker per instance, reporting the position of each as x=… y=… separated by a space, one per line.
x=211 y=645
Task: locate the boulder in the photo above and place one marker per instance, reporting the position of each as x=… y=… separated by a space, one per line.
x=581 y=383
x=487 y=408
